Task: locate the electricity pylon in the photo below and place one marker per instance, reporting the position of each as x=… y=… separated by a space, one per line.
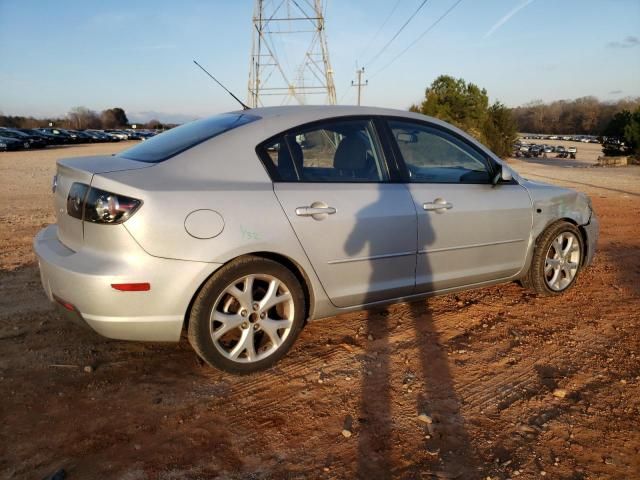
x=284 y=30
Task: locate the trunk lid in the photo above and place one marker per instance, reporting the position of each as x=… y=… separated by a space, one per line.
x=82 y=170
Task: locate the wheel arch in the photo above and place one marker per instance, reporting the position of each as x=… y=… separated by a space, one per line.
x=287 y=262
x=581 y=229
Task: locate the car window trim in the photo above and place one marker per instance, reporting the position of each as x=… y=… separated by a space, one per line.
x=393 y=174
x=489 y=163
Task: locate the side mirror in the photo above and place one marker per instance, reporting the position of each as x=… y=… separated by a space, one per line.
x=503 y=174
x=506 y=174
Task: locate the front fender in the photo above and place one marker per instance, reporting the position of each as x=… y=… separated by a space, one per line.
x=552 y=204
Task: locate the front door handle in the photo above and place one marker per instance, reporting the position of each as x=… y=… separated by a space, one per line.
x=317 y=210
x=439 y=205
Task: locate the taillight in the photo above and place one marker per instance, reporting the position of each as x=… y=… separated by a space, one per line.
x=99 y=206
x=75 y=200
x=107 y=207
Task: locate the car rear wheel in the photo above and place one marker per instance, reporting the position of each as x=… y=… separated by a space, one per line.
x=556 y=260
x=247 y=316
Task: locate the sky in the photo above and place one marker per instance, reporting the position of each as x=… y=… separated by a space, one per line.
x=138 y=55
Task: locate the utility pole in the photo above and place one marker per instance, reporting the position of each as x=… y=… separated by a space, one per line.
x=359 y=83
x=289 y=55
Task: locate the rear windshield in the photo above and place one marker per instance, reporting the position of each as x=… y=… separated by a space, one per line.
x=177 y=140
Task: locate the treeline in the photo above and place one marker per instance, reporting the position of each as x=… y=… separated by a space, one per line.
x=585 y=115
x=466 y=106
x=80 y=118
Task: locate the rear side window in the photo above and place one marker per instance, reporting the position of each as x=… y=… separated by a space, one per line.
x=334 y=151
x=177 y=140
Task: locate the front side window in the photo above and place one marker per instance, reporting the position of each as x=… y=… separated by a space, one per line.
x=177 y=140
x=435 y=156
x=333 y=151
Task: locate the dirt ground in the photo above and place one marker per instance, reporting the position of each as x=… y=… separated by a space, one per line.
x=482 y=366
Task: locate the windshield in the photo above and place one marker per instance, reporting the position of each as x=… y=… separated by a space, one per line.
x=177 y=140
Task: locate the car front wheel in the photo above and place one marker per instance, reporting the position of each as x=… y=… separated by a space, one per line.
x=556 y=261
x=247 y=315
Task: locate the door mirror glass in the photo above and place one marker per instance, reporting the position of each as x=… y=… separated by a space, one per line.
x=503 y=174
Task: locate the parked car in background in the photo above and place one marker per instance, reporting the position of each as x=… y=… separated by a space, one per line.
x=83 y=136
x=42 y=137
x=101 y=136
x=32 y=140
x=145 y=135
x=133 y=135
x=48 y=139
x=170 y=234
x=62 y=135
x=118 y=134
x=10 y=143
x=535 y=150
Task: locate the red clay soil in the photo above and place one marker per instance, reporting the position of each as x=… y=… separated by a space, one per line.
x=514 y=386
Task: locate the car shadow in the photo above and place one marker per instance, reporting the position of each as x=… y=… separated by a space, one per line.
x=447 y=449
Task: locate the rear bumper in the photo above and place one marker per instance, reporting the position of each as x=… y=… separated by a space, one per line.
x=83 y=279
x=592 y=230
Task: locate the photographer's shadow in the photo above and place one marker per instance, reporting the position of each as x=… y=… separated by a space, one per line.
x=446 y=448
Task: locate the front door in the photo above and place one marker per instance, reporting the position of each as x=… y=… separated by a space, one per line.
x=357 y=228
x=469 y=231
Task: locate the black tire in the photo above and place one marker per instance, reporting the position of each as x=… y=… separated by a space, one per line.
x=535 y=278
x=199 y=331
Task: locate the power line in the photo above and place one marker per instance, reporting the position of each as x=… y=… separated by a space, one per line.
x=375 y=57
x=344 y=94
x=374 y=36
x=431 y=27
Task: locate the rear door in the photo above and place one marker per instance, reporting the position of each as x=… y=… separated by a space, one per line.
x=357 y=228
x=469 y=231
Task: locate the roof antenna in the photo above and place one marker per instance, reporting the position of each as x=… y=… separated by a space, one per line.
x=244 y=107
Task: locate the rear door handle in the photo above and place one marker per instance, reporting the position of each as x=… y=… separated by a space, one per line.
x=317 y=210
x=439 y=205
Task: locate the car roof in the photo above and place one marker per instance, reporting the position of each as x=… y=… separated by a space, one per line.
x=283 y=118
x=316 y=112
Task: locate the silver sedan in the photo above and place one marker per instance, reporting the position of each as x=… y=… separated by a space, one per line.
x=241 y=227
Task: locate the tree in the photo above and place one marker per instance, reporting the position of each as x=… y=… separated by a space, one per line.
x=114 y=118
x=499 y=132
x=153 y=124
x=625 y=127
x=466 y=106
x=81 y=118
x=632 y=132
x=585 y=115
x=454 y=101
x=617 y=125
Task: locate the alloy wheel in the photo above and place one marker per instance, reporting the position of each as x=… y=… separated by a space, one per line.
x=252 y=318
x=562 y=261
